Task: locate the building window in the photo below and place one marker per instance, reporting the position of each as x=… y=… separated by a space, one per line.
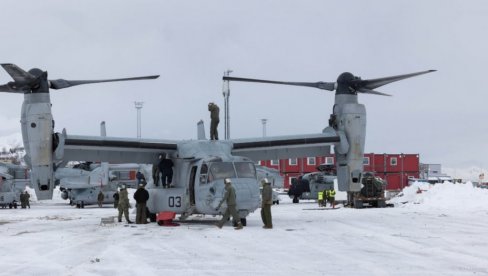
x=292 y=180
x=366 y=161
x=329 y=160
x=274 y=162
x=310 y=160
x=258 y=163
x=393 y=161
x=292 y=161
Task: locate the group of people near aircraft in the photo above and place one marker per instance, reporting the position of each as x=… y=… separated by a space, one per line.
x=326 y=196
x=230 y=199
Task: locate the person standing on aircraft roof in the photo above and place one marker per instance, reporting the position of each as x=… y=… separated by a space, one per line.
x=230 y=199
x=141 y=196
x=266 y=202
x=27 y=199
x=124 y=204
x=116 y=199
x=155 y=174
x=166 y=168
x=140 y=176
x=214 y=120
x=100 y=199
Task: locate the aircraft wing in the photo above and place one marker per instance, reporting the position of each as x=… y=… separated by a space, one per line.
x=280 y=147
x=115 y=149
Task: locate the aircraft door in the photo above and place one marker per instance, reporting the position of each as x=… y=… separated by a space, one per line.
x=191 y=185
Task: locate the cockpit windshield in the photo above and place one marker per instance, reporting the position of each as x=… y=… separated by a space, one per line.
x=245 y=170
x=221 y=170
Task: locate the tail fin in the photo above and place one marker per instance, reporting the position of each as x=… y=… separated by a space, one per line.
x=201 y=131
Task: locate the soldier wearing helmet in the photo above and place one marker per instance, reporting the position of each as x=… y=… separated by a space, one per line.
x=266 y=202
x=230 y=200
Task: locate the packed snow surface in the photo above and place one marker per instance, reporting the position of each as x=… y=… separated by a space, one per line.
x=440 y=231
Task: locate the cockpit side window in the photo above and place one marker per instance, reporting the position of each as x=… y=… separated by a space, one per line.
x=203 y=173
x=221 y=170
x=245 y=170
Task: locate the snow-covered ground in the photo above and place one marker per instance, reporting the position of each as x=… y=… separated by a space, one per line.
x=441 y=231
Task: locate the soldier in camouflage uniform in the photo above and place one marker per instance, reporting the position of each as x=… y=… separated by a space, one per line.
x=266 y=202
x=100 y=198
x=27 y=199
x=22 y=200
x=124 y=204
x=230 y=199
x=214 y=121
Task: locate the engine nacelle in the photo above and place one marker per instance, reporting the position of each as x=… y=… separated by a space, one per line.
x=37 y=133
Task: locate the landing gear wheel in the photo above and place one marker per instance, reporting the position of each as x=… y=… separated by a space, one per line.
x=243 y=221
x=82 y=205
x=296 y=200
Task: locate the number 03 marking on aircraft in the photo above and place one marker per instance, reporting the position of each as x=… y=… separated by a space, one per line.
x=174 y=201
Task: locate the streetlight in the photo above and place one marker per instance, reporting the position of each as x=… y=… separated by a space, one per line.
x=226 y=93
x=138 y=106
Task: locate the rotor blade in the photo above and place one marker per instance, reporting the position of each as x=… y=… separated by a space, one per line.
x=17 y=73
x=375 y=83
x=61 y=83
x=369 y=91
x=8 y=89
x=320 y=85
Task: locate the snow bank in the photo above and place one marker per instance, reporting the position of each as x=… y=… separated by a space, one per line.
x=457 y=196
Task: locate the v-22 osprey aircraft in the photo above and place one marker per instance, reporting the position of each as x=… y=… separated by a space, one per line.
x=200 y=165
x=81 y=183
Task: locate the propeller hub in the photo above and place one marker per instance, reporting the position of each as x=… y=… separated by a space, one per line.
x=346 y=84
x=36 y=72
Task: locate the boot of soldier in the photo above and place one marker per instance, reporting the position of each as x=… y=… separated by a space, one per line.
x=238 y=227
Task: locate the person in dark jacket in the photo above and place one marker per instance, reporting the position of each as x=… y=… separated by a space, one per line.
x=165 y=166
x=116 y=199
x=214 y=120
x=141 y=196
x=230 y=199
x=140 y=176
x=155 y=174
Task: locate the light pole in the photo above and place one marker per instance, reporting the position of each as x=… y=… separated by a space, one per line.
x=264 y=126
x=138 y=106
x=226 y=93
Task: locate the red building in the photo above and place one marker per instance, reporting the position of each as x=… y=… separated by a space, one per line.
x=394 y=168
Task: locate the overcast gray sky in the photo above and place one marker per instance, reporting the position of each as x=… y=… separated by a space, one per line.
x=442 y=116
